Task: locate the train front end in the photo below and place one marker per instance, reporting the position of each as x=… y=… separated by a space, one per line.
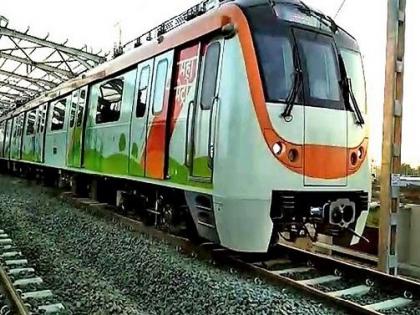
x=303 y=145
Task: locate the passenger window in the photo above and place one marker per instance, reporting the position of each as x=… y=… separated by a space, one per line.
x=30 y=122
x=41 y=118
x=19 y=123
x=9 y=125
x=143 y=91
x=58 y=114
x=74 y=100
x=211 y=69
x=2 y=136
x=16 y=124
x=81 y=107
x=15 y=127
x=109 y=101
x=160 y=86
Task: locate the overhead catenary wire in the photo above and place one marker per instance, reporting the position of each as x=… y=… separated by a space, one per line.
x=340 y=8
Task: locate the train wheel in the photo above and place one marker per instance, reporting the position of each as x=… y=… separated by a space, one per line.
x=166 y=219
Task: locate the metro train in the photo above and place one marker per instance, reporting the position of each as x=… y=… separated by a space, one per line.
x=243 y=120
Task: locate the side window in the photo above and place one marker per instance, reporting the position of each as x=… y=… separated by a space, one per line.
x=13 y=131
x=211 y=69
x=109 y=101
x=81 y=107
x=16 y=123
x=2 y=138
x=73 y=107
x=58 y=114
x=143 y=92
x=21 y=123
x=15 y=128
x=30 y=122
x=19 y=126
x=160 y=86
x=41 y=118
x=9 y=125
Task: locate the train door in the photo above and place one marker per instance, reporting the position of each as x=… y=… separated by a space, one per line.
x=75 y=130
x=13 y=137
x=56 y=134
x=2 y=137
x=139 y=117
x=70 y=130
x=8 y=138
x=40 y=133
x=156 y=146
x=16 y=143
x=325 y=112
x=28 y=144
x=205 y=113
x=183 y=100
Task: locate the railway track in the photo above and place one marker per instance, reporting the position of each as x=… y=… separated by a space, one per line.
x=22 y=291
x=355 y=288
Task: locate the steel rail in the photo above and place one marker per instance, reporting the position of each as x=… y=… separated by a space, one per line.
x=239 y=261
x=279 y=279
x=17 y=304
x=325 y=261
x=20 y=283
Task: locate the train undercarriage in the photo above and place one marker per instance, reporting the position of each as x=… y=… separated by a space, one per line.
x=308 y=214
x=294 y=214
x=161 y=207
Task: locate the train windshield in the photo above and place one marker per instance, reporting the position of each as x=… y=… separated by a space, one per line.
x=275 y=53
x=282 y=49
x=276 y=61
x=319 y=64
x=354 y=68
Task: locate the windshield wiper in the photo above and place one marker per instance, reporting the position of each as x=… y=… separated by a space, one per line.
x=320 y=16
x=273 y=4
x=291 y=99
x=349 y=94
x=297 y=84
x=356 y=107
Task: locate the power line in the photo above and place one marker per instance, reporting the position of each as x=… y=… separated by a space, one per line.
x=340 y=8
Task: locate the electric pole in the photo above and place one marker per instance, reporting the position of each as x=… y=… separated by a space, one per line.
x=392 y=136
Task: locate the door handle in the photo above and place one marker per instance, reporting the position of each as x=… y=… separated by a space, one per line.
x=188 y=133
x=210 y=149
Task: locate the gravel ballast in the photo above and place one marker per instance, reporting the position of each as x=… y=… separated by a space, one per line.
x=95 y=266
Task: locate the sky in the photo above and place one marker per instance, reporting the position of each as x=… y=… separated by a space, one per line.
x=94 y=23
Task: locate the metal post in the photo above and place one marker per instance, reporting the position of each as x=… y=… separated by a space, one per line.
x=392 y=135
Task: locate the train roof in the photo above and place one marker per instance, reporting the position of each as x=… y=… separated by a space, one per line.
x=341 y=34
x=171 y=37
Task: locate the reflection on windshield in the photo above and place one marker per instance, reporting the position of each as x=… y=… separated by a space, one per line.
x=354 y=68
x=274 y=51
x=276 y=59
x=322 y=70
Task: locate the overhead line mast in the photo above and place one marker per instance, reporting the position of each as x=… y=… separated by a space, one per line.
x=392 y=136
